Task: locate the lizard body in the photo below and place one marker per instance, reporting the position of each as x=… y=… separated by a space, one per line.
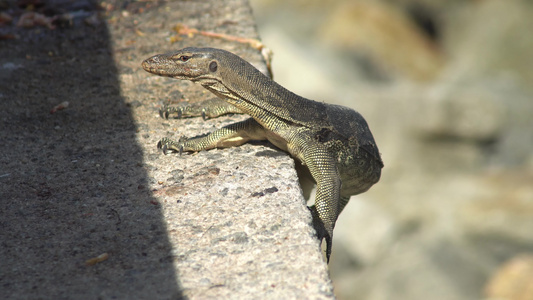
x=332 y=141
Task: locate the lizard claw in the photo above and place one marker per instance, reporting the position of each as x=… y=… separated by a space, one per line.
x=321 y=232
x=163 y=113
x=168 y=145
x=180 y=143
x=166 y=110
x=163 y=146
x=329 y=243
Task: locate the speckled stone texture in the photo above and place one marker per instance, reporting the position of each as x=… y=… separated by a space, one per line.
x=88 y=180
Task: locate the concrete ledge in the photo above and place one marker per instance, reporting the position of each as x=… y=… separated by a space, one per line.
x=93 y=210
x=236 y=219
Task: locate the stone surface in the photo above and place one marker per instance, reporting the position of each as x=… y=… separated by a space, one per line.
x=91 y=209
x=513 y=280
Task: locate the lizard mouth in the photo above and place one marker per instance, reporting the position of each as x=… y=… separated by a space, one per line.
x=153 y=66
x=160 y=67
x=157 y=66
x=148 y=66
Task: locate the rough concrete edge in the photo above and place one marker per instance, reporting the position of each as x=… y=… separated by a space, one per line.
x=259 y=244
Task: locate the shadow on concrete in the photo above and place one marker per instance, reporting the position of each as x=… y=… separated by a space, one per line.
x=72 y=183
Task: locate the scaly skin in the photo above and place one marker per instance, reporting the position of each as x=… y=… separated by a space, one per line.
x=333 y=142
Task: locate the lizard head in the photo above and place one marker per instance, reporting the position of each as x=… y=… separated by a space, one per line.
x=195 y=64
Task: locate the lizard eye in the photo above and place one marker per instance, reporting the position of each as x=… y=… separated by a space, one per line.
x=213 y=66
x=184 y=57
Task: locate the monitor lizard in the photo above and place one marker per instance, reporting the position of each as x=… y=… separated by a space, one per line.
x=332 y=141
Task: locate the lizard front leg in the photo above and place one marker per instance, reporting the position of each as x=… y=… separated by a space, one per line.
x=231 y=135
x=328 y=201
x=207 y=109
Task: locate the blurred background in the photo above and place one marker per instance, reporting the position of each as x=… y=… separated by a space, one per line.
x=446 y=87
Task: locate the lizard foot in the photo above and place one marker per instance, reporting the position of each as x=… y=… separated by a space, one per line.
x=321 y=232
x=166 y=110
x=168 y=145
x=185 y=111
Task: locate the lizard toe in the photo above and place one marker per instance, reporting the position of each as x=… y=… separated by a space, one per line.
x=165 y=150
x=163 y=145
x=163 y=112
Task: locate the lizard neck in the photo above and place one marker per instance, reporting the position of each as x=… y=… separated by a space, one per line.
x=242 y=85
